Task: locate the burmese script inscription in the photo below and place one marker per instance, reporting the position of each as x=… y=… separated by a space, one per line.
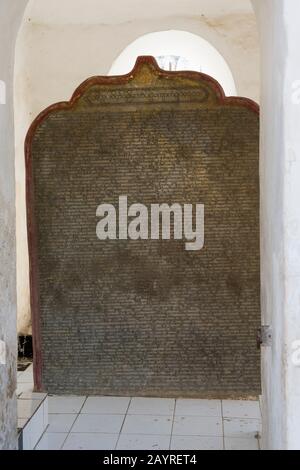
x=125 y=316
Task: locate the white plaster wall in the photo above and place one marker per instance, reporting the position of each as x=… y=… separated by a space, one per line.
x=280 y=219
x=63 y=42
x=10 y=15
x=272 y=292
x=291 y=210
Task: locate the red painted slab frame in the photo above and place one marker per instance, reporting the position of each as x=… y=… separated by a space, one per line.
x=222 y=100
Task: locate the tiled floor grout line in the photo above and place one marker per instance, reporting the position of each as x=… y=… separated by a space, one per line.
x=41 y=437
x=28 y=420
x=172 y=427
x=126 y=414
x=83 y=405
x=242 y=417
x=68 y=433
x=223 y=430
x=77 y=415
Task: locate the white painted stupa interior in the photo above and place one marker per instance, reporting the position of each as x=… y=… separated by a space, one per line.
x=252 y=47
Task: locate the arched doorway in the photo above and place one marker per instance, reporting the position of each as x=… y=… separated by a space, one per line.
x=177 y=50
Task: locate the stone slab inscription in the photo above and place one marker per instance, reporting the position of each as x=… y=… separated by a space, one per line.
x=145 y=317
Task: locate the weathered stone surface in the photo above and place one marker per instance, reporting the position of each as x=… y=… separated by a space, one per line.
x=147 y=317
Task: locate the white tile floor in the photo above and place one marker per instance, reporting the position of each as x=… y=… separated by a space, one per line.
x=108 y=423
x=150 y=423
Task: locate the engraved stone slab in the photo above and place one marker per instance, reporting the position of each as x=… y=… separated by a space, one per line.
x=145 y=317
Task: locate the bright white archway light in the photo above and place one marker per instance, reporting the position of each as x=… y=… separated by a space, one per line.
x=178 y=50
